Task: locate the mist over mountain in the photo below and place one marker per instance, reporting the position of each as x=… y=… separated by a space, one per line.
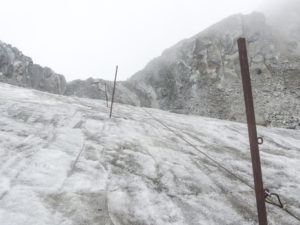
x=73 y=160
x=201 y=75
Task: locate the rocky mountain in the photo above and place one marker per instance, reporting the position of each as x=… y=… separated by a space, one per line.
x=95 y=89
x=18 y=69
x=201 y=75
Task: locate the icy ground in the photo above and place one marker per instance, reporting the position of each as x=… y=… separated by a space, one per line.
x=62 y=161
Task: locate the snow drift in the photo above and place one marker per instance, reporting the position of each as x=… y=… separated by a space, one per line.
x=62 y=161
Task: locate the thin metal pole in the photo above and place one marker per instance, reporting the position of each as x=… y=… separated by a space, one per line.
x=257 y=174
x=113 y=94
x=106 y=95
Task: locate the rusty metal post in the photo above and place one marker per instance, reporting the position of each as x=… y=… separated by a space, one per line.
x=257 y=174
x=106 y=95
x=113 y=94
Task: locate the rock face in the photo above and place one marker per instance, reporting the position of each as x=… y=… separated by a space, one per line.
x=201 y=75
x=17 y=69
x=95 y=89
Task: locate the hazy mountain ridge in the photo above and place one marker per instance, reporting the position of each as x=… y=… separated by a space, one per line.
x=18 y=69
x=199 y=75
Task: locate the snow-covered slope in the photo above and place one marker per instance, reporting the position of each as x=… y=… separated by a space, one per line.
x=62 y=161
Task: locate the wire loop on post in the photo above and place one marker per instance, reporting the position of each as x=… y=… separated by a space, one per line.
x=260 y=140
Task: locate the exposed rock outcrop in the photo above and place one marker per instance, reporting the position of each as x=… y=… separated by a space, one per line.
x=17 y=69
x=201 y=75
x=95 y=89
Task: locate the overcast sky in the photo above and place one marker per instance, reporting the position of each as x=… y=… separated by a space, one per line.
x=87 y=38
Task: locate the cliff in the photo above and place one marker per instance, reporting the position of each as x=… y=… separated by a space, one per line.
x=19 y=70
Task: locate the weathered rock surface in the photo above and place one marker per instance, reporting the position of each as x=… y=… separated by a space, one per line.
x=95 y=89
x=17 y=69
x=201 y=75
